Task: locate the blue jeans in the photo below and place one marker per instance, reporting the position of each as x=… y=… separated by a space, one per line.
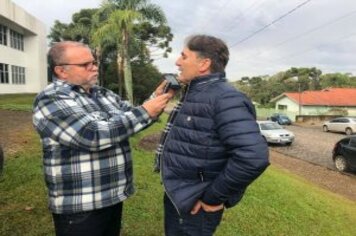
x=101 y=222
x=201 y=224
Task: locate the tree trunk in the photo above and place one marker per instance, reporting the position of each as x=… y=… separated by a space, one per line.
x=127 y=67
x=120 y=73
x=101 y=69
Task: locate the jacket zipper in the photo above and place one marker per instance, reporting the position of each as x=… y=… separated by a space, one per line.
x=161 y=161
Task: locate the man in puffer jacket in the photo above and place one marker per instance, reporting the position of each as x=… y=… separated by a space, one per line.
x=211 y=149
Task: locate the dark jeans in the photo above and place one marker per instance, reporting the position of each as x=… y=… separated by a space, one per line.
x=201 y=224
x=101 y=222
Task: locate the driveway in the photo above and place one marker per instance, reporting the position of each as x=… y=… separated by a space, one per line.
x=311 y=144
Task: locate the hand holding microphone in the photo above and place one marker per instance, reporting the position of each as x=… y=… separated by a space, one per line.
x=164 y=92
x=169 y=83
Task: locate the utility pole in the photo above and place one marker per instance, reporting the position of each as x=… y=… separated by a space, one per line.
x=296 y=79
x=299 y=98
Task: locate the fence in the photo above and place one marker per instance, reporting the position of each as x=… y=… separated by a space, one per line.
x=264 y=113
x=312 y=117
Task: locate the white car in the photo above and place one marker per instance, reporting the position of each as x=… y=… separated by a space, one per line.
x=274 y=133
x=346 y=125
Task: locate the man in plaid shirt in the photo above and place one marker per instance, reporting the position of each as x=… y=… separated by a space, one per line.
x=84 y=131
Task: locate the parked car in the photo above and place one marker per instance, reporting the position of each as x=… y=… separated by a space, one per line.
x=274 y=133
x=280 y=119
x=344 y=154
x=346 y=125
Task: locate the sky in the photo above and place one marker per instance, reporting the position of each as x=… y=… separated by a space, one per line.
x=264 y=36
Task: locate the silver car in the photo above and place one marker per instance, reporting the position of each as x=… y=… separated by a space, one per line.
x=274 y=133
x=345 y=125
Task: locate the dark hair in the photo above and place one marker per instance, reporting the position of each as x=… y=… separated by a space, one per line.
x=210 y=47
x=57 y=53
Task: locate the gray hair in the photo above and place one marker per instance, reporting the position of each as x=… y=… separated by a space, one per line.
x=57 y=53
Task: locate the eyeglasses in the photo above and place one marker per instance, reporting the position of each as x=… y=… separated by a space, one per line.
x=87 y=65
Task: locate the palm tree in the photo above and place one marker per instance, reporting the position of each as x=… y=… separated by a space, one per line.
x=122 y=18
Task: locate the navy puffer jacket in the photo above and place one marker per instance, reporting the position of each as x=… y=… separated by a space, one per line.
x=214 y=149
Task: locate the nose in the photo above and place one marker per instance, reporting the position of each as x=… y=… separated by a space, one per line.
x=178 y=62
x=95 y=67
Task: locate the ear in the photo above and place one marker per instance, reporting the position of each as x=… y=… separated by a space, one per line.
x=205 y=65
x=59 y=70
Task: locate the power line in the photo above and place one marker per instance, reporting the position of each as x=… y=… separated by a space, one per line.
x=299 y=53
x=218 y=10
x=242 y=14
x=266 y=26
x=315 y=29
x=308 y=31
x=311 y=49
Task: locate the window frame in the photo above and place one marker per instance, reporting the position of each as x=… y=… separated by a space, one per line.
x=18 y=74
x=4 y=73
x=3 y=35
x=17 y=40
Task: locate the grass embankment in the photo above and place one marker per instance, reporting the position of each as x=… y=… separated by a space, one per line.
x=278 y=203
x=17 y=102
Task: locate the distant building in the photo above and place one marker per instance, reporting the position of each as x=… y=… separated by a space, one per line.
x=324 y=102
x=23 y=47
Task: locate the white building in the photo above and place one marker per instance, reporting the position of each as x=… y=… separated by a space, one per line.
x=23 y=62
x=324 y=102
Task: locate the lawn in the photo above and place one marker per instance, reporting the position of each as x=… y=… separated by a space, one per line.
x=16 y=102
x=278 y=203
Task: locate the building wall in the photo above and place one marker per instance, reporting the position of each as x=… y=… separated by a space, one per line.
x=352 y=111
x=32 y=58
x=289 y=105
x=322 y=110
x=292 y=107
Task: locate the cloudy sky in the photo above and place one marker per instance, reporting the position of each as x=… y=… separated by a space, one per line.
x=264 y=36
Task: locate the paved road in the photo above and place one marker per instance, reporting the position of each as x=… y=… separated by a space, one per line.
x=311 y=144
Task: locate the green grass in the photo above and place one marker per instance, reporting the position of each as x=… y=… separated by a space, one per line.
x=278 y=203
x=17 y=102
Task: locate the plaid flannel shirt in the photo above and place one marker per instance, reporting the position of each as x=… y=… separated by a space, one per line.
x=87 y=159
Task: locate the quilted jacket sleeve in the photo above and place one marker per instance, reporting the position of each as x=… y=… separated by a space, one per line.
x=235 y=119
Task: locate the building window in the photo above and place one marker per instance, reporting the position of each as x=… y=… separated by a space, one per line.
x=4 y=73
x=16 y=40
x=3 y=35
x=282 y=107
x=18 y=75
